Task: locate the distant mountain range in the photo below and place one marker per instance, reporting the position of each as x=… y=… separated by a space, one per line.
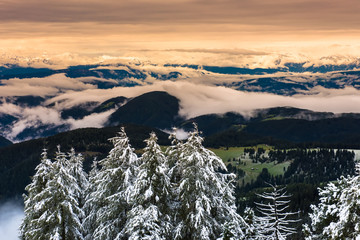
x=289 y=79
x=8 y=71
x=290 y=85
x=288 y=67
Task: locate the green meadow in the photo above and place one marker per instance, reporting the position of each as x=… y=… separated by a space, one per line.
x=252 y=170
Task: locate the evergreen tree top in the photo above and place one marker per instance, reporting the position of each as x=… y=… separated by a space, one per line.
x=121 y=155
x=121 y=136
x=337 y=214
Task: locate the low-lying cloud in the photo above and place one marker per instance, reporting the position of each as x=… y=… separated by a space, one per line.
x=180 y=133
x=195 y=100
x=94 y=120
x=47 y=86
x=11 y=215
x=34 y=117
x=199 y=99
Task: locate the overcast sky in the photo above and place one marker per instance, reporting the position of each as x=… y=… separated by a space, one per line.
x=282 y=14
x=112 y=26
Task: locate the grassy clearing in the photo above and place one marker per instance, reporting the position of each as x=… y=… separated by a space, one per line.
x=274 y=118
x=251 y=169
x=235 y=152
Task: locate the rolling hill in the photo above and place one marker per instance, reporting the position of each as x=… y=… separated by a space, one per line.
x=153 y=109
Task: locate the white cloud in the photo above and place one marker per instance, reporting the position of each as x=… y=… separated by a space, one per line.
x=38 y=116
x=181 y=134
x=94 y=120
x=195 y=99
x=11 y=109
x=199 y=99
x=29 y=118
x=47 y=86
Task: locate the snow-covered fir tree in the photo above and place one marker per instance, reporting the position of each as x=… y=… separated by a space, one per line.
x=58 y=205
x=77 y=171
x=275 y=219
x=172 y=154
x=89 y=209
x=149 y=218
x=337 y=216
x=249 y=218
x=111 y=198
x=131 y=199
x=31 y=228
x=207 y=204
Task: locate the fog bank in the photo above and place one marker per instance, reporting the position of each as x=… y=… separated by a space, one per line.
x=11 y=214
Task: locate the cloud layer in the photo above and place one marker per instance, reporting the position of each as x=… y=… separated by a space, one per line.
x=34 y=117
x=47 y=86
x=198 y=99
x=197 y=90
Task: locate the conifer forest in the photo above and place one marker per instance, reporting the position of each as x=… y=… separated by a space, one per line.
x=185 y=191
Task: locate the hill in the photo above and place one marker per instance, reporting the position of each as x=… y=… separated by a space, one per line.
x=154 y=109
x=342 y=132
x=82 y=110
x=214 y=123
x=4 y=142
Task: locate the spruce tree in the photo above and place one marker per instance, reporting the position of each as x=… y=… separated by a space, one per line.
x=275 y=218
x=206 y=195
x=172 y=153
x=58 y=204
x=77 y=171
x=249 y=217
x=31 y=228
x=89 y=207
x=63 y=210
x=81 y=180
x=149 y=217
x=111 y=198
x=337 y=216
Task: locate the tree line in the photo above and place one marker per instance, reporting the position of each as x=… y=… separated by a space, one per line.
x=177 y=194
x=183 y=193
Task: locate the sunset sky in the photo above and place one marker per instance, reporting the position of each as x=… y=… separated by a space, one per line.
x=135 y=28
x=156 y=38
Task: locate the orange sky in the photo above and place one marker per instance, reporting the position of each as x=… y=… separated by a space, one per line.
x=120 y=27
